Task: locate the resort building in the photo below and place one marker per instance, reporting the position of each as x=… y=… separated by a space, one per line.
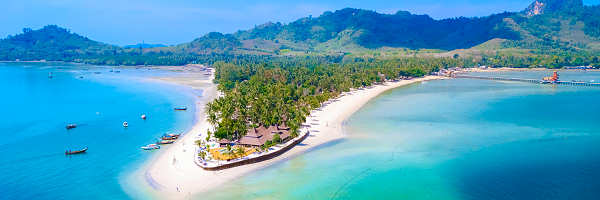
x=256 y=137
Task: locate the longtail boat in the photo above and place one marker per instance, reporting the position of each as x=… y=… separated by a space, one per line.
x=173 y=135
x=150 y=147
x=168 y=138
x=70 y=126
x=166 y=141
x=181 y=108
x=69 y=152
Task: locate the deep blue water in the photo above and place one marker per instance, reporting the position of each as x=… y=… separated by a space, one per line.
x=451 y=139
x=36 y=109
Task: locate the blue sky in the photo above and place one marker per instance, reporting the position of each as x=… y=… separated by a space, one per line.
x=124 y=22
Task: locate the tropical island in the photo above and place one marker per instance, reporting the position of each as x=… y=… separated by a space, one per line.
x=279 y=85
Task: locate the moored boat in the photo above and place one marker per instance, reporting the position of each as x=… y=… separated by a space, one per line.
x=69 y=152
x=181 y=108
x=170 y=136
x=71 y=126
x=166 y=141
x=165 y=137
x=151 y=147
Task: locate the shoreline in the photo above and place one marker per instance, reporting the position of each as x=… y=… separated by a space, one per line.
x=173 y=173
x=513 y=69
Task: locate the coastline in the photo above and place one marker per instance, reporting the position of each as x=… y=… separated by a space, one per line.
x=173 y=173
x=512 y=69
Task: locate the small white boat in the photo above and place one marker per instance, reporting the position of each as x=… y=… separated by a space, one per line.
x=143 y=117
x=125 y=124
x=150 y=147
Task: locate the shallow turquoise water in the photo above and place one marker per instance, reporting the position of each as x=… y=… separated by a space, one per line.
x=450 y=139
x=35 y=110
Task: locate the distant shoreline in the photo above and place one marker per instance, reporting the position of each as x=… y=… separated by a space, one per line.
x=513 y=69
x=175 y=67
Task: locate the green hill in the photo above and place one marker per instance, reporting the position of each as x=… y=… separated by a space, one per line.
x=51 y=43
x=545 y=27
x=373 y=30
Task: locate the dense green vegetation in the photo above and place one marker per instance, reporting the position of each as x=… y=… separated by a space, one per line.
x=591 y=17
x=371 y=29
x=564 y=25
x=563 y=28
x=284 y=91
x=51 y=43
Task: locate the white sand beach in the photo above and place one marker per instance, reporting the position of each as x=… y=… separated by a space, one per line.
x=173 y=174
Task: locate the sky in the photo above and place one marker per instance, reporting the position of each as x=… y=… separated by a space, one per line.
x=123 y=22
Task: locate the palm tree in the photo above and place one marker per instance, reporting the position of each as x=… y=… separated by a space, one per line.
x=240 y=151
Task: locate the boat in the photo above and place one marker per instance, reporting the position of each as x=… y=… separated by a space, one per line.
x=69 y=152
x=143 y=117
x=71 y=126
x=170 y=136
x=166 y=137
x=181 y=108
x=166 y=142
x=125 y=124
x=150 y=147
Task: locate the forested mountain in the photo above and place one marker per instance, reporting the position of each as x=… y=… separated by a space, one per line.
x=371 y=30
x=546 y=24
x=51 y=43
x=546 y=27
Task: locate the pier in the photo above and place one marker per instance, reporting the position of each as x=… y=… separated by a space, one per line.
x=535 y=81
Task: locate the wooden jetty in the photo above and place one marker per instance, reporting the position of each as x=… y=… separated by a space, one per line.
x=535 y=81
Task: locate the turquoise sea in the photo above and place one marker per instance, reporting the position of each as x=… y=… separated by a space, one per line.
x=36 y=109
x=451 y=139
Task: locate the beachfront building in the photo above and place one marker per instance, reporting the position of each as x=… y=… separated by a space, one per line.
x=226 y=142
x=256 y=137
